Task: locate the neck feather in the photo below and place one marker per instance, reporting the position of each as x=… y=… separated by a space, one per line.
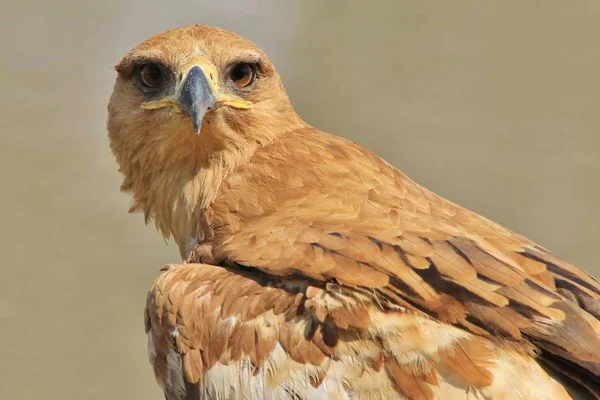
x=174 y=176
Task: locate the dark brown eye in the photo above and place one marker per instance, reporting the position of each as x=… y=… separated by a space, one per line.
x=243 y=74
x=151 y=75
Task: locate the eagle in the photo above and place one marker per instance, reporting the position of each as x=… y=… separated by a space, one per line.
x=312 y=268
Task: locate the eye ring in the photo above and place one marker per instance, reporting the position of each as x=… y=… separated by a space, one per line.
x=151 y=75
x=243 y=74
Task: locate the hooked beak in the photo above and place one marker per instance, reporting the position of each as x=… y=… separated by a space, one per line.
x=197 y=94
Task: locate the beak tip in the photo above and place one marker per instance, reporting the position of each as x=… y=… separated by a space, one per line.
x=197 y=127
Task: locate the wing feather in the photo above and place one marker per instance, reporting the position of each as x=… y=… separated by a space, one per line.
x=369 y=226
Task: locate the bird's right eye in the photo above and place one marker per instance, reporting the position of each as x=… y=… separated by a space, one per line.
x=151 y=75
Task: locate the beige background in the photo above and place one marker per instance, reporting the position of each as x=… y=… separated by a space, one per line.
x=492 y=104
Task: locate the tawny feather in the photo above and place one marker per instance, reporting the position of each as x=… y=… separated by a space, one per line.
x=317 y=270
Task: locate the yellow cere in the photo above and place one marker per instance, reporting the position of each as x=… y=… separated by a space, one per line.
x=209 y=71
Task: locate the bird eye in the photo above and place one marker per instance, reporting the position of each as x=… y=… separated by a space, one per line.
x=151 y=75
x=243 y=74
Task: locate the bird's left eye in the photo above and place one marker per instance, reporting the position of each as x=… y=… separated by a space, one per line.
x=243 y=74
x=151 y=75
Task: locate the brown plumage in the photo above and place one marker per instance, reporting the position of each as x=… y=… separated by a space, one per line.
x=313 y=268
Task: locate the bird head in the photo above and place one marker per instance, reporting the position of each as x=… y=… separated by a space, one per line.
x=194 y=91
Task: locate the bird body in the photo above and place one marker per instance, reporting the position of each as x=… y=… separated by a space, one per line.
x=313 y=268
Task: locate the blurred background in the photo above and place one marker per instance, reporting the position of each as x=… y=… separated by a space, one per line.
x=493 y=105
